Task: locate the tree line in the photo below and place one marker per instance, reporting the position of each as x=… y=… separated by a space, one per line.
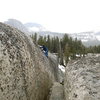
x=66 y=48
x=93 y=49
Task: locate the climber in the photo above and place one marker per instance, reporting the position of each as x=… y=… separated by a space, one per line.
x=45 y=50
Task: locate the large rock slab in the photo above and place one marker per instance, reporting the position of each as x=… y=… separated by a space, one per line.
x=25 y=73
x=57 y=92
x=82 y=80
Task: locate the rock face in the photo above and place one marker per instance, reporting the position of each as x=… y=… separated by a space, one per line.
x=25 y=73
x=57 y=92
x=82 y=80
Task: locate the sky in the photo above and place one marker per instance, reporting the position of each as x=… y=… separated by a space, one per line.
x=67 y=16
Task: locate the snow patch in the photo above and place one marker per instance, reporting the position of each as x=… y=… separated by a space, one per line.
x=37 y=29
x=84 y=40
x=33 y=29
x=98 y=37
x=62 y=68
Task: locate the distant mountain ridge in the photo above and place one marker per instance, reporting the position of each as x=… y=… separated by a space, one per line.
x=35 y=27
x=30 y=28
x=88 y=38
x=17 y=24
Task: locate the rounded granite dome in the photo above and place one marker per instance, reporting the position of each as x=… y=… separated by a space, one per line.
x=25 y=73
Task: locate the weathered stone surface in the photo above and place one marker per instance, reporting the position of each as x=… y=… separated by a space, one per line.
x=82 y=80
x=53 y=62
x=25 y=73
x=59 y=74
x=57 y=92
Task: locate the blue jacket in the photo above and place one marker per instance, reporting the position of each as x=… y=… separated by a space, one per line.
x=45 y=49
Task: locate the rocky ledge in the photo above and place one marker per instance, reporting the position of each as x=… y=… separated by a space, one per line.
x=82 y=80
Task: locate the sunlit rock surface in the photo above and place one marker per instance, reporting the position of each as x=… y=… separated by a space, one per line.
x=82 y=80
x=25 y=72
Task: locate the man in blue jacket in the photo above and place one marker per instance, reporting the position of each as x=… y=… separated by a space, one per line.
x=45 y=50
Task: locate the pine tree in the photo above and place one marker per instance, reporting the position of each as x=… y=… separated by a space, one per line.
x=67 y=53
x=34 y=38
x=61 y=56
x=41 y=40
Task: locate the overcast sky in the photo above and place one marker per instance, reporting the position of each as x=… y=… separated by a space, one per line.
x=56 y=15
